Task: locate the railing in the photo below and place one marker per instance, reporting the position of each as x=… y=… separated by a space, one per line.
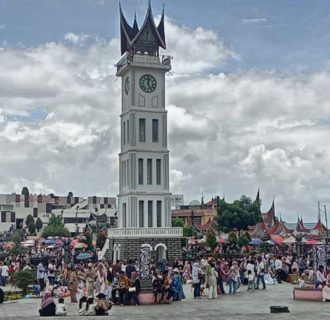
x=102 y=253
x=145 y=232
x=143 y=58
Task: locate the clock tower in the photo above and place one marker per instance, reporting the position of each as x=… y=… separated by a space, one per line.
x=144 y=200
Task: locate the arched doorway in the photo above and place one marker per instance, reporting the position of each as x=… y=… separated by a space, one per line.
x=160 y=250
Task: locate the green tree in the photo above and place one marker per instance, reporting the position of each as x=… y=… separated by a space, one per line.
x=245 y=239
x=23 y=278
x=232 y=237
x=100 y=240
x=55 y=228
x=32 y=228
x=25 y=191
x=189 y=231
x=211 y=240
x=29 y=219
x=39 y=224
x=238 y=215
x=16 y=248
x=177 y=222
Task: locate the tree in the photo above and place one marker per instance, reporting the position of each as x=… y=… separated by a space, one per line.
x=245 y=239
x=16 y=248
x=238 y=215
x=23 y=278
x=211 y=240
x=232 y=237
x=29 y=219
x=177 y=222
x=100 y=240
x=32 y=228
x=39 y=224
x=55 y=228
x=189 y=231
x=25 y=191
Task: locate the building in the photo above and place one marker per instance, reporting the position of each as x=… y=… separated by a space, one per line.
x=75 y=210
x=202 y=216
x=144 y=201
x=177 y=200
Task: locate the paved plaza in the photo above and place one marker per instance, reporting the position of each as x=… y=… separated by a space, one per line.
x=242 y=306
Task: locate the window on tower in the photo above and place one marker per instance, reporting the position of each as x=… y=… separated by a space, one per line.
x=124 y=132
x=155 y=130
x=158 y=171
x=140 y=171
x=141 y=214
x=128 y=132
x=142 y=130
x=159 y=213
x=149 y=214
x=149 y=171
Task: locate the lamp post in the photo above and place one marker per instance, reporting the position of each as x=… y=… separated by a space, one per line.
x=77 y=227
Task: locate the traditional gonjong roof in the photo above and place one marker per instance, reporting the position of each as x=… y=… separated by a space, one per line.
x=147 y=39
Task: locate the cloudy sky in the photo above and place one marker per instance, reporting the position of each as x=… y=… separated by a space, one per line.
x=248 y=98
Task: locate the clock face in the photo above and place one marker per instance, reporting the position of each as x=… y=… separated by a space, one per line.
x=126 y=85
x=148 y=83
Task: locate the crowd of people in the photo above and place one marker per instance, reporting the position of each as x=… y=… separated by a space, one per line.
x=95 y=286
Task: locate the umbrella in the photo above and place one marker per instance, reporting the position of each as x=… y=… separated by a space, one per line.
x=50 y=238
x=84 y=256
x=256 y=242
x=74 y=242
x=50 y=247
x=201 y=241
x=312 y=242
x=50 y=241
x=290 y=240
x=59 y=242
x=277 y=239
x=80 y=245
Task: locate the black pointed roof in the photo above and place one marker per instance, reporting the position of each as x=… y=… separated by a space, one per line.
x=146 y=39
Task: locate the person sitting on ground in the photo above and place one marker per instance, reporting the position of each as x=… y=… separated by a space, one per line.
x=48 y=307
x=61 y=308
x=157 y=286
x=2 y=296
x=320 y=278
x=82 y=305
x=103 y=305
x=90 y=307
x=326 y=288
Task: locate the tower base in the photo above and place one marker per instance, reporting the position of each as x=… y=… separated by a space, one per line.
x=126 y=243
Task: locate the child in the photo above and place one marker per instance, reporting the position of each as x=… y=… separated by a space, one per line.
x=250 y=281
x=61 y=308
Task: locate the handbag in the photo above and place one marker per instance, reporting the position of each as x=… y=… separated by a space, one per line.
x=132 y=289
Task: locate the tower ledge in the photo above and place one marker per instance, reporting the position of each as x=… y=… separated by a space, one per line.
x=143 y=60
x=145 y=233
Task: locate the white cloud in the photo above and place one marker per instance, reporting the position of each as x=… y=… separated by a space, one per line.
x=228 y=134
x=254 y=20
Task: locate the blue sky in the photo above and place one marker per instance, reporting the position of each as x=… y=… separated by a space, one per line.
x=283 y=35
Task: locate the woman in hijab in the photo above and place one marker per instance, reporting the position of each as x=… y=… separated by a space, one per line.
x=48 y=307
x=211 y=280
x=178 y=293
x=196 y=275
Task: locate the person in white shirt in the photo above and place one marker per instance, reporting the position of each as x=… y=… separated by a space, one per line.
x=51 y=272
x=61 y=308
x=320 y=278
x=278 y=269
x=261 y=273
x=4 y=275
